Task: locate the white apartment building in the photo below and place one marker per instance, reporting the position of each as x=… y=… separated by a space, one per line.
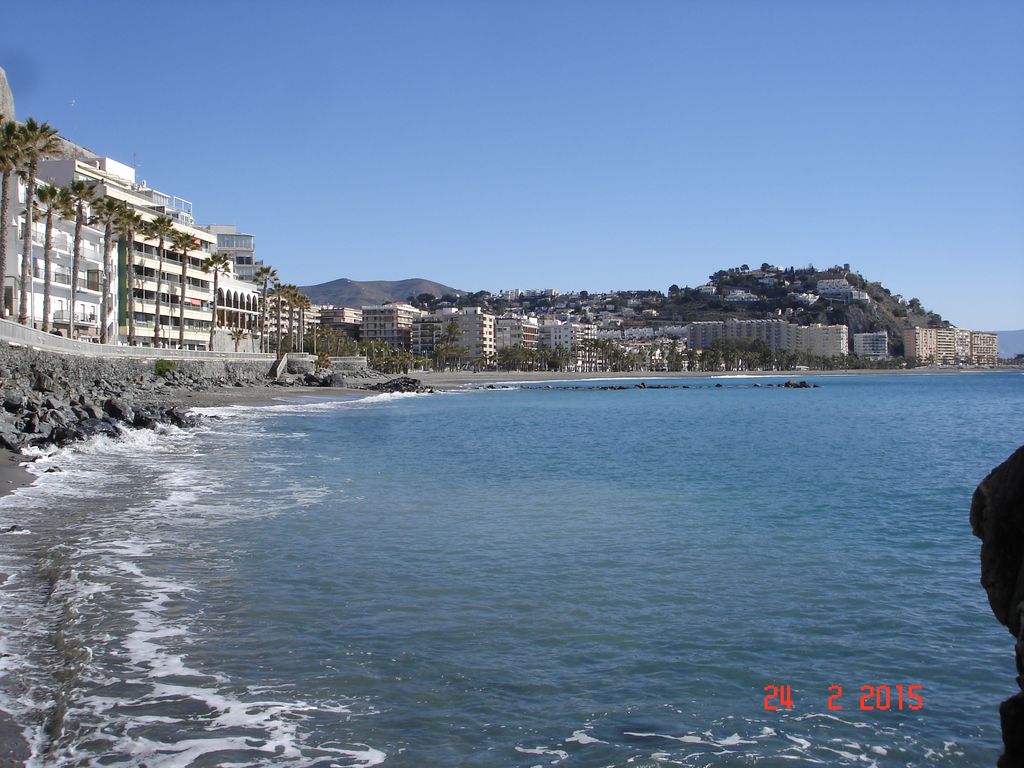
x=821 y=340
x=874 y=346
x=238 y=303
x=237 y=246
x=117 y=181
x=574 y=338
x=920 y=344
x=740 y=296
x=86 y=314
x=950 y=346
x=984 y=348
x=840 y=290
x=512 y=330
x=476 y=330
x=346 y=320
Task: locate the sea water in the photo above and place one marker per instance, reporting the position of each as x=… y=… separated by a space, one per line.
x=527 y=577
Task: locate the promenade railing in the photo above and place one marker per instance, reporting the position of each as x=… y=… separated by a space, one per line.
x=20 y=335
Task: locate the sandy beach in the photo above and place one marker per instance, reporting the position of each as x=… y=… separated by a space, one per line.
x=12 y=474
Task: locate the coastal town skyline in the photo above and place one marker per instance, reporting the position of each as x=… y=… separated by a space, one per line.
x=580 y=147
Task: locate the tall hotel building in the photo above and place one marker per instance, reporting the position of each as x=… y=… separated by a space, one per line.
x=950 y=346
x=114 y=180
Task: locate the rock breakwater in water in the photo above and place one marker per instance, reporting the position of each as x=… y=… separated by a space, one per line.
x=997 y=518
x=53 y=399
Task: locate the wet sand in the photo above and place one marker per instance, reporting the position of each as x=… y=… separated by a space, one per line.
x=12 y=474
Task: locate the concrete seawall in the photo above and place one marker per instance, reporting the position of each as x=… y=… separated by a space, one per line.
x=20 y=335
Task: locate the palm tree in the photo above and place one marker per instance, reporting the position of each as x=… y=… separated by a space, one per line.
x=278 y=293
x=130 y=222
x=217 y=265
x=161 y=228
x=290 y=295
x=53 y=202
x=265 y=276
x=80 y=195
x=37 y=141
x=106 y=212
x=10 y=157
x=302 y=305
x=237 y=334
x=183 y=242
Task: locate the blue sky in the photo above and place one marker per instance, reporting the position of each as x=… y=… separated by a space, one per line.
x=576 y=145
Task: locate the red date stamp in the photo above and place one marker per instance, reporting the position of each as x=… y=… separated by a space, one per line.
x=868 y=698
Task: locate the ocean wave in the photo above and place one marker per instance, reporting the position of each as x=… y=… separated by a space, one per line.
x=304 y=405
x=132 y=694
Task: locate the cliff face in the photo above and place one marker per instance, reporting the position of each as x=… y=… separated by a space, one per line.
x=997 y=518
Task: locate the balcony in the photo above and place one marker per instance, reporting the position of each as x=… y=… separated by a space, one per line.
x=81 y=318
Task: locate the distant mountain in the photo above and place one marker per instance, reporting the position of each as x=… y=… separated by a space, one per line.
x=357 y=293
x=1011 y=343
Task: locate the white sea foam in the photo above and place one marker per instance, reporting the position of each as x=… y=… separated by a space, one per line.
x=582 y=737
x=558 y=754
x=286 y=406
x=107 y=550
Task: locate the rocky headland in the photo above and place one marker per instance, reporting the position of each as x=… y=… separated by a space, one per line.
x=997 y=518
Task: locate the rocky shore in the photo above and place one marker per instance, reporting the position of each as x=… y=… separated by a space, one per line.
x=997 y=518
x=53 y=399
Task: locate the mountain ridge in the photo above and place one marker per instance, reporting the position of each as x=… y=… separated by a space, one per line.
x=356 y=293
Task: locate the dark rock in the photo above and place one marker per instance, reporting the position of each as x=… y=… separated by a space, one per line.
x=118 y=408
x=401 y=384
x=43 y=382
x=14 y=402
x=718 y=386
x=181 y=418
x=91 y=427
x=143 y=419
x=794 y=384
x=11 y=440
x=997 y=518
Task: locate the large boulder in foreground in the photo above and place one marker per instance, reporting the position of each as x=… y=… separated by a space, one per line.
x=997 y=518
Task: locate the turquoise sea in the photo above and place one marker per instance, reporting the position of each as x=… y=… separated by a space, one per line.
x=526 y=577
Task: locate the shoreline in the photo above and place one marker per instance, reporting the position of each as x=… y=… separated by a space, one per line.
x=14 y=474
x=444 y=380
